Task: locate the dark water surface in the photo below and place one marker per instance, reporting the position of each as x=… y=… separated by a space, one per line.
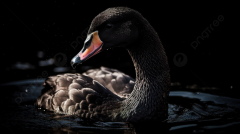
x=189 y=112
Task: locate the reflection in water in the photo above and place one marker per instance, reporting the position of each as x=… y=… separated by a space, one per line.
x=189 y=112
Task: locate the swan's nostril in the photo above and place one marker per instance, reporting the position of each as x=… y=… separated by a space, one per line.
x=87 y=42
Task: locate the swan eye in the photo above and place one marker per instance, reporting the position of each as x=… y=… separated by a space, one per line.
x=108 y=25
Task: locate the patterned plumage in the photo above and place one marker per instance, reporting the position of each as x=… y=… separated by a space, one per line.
x=82 y=94
x=110 y=95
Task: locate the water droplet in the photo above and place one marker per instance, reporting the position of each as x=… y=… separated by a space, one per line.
x=39 y=108
x=231 y=87
x=26 y=90
x=198 y=93
x=43 y=110
x=26 y=105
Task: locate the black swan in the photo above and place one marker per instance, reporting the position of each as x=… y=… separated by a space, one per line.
x=107 y=94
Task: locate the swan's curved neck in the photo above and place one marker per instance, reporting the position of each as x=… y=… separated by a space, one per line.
x=149 y=99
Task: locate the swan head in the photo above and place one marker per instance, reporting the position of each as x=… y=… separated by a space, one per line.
x=114 y=27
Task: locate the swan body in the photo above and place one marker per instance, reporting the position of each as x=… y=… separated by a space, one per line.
x=107 y=94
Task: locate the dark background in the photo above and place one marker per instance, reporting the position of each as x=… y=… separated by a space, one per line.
x=39 y=36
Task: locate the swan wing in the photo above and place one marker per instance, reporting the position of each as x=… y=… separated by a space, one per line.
x=77 y=94
x=116 y=81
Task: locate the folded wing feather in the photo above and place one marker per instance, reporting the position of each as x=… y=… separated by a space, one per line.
x=91 y=95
